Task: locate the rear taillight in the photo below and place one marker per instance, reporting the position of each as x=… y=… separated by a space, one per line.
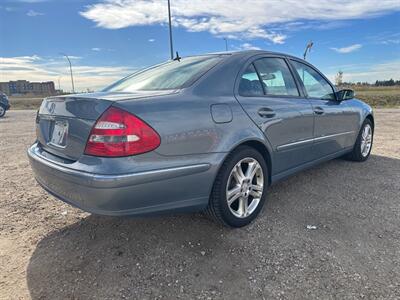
x=119 y=133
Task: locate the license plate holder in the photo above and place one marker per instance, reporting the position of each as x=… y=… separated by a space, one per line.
x=59 y=134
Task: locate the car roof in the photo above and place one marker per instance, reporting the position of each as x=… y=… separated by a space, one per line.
x=247 y=53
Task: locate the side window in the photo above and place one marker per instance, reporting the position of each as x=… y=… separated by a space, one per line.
x=249 y=84
x=276 y=77
x=316 y=86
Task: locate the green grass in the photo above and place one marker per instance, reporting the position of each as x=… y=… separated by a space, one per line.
x=379 y=96
x=374 y=96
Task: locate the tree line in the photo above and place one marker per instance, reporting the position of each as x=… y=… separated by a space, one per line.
x=389 y=82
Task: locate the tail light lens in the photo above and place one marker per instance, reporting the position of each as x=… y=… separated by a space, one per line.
x=119 y=133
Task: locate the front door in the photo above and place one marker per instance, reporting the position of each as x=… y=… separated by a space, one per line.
x=334 y=120
x=269 y=94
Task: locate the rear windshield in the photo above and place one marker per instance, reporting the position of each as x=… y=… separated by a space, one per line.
x=168 y=76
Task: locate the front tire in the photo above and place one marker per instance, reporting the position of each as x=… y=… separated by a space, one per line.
x=362 y=147
x=239 y=190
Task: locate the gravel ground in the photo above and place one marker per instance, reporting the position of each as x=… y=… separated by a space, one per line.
x=49 y=250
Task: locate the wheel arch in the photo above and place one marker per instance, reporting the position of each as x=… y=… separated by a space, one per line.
x=371 y=118
x=260 y=147
x=263 y=150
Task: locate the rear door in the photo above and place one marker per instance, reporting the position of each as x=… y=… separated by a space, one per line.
x=334 y=120
x=269 y=94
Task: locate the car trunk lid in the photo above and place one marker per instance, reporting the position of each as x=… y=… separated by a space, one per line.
x=64 y=123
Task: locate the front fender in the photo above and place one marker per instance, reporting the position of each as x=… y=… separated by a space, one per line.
x=363 y=110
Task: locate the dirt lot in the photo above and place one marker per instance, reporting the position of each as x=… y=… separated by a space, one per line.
x=49 y=250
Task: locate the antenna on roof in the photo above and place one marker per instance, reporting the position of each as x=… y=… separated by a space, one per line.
x=308 y=49
x=178 y=58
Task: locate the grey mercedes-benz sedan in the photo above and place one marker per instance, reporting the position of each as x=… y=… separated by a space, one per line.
x=202 y=133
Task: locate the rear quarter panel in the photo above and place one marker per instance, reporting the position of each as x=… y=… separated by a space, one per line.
x=185 y=124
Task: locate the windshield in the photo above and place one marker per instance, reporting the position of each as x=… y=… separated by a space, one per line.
x=168 y=76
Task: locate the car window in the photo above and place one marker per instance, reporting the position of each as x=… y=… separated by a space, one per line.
x=249 y=84
x=315 y=85
x=276 y=77
x=170 y=75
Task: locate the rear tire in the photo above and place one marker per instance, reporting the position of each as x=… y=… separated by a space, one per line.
x=2 y=111
x=362 y=147
x=243 y=179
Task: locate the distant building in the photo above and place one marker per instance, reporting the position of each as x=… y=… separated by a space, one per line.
x=23 y=87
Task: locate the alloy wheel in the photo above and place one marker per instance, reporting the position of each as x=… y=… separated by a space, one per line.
x=245 y=187
x=366 y=140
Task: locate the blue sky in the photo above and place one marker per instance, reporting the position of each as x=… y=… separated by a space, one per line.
x=108 y=39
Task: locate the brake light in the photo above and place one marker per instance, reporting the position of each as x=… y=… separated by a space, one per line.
x=119 y=133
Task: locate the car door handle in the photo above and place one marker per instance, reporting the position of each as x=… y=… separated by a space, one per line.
x=266 y=112
x=318 y=110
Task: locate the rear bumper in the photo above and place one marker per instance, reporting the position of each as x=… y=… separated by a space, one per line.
x=181 y=188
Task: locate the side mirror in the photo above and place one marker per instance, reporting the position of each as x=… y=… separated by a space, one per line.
x=345 y=94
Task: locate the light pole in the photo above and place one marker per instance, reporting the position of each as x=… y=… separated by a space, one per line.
x=308 y=49
x=170 y=31
x=70 y=69
x=226 y=44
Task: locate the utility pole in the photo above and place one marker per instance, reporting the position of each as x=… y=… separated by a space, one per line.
x=70 y=69
x=170 y=31
x=226 y=44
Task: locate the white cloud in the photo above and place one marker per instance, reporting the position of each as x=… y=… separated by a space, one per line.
x=96 y=49
x=389 y=39
x=369 y=72
x=347 y=49
x=245 y=19
x=35 y=68
x=32 y=13
x=151 y=40
x=247 y=46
